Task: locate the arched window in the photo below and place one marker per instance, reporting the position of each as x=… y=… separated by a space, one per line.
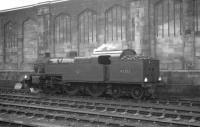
x=87 y=32
x=63 y=29
x=10 y=43
x=30 y=41
x=115 y=23
x=197 y=15
x=87 y=26
x=62 y=35
x=10 y=36
x=168 y=18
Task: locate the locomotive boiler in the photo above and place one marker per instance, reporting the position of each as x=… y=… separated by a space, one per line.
x=114 y=73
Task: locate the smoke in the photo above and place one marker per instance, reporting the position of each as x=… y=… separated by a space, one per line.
x=109 y=47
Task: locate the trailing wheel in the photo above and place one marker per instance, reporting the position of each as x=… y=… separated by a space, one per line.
x=70 y=89
x=95 y=90
x=137 y=92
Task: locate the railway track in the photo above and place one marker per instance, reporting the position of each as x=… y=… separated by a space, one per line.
x=130 y=114
x=11 y=90
x=8 y=123
x=86 y=116
x=180 y=101
x=4 y=122
x=66 y=101
x=78 y=116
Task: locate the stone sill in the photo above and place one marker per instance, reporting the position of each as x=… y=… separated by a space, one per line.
x=16 y=70
x=180 y=71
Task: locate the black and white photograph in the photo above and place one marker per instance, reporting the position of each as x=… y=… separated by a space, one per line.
x=100 y=63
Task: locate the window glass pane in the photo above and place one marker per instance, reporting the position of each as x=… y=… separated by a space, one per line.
x=62 y=29
x=168 y=18
x=87 y=27
x=177 y=17
x=115 y=23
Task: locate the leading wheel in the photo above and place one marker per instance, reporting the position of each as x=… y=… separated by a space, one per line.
x=137 y=93
x=95 y=90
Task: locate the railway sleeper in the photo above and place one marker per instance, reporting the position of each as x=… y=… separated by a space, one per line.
x=14 y=124
x=167 y=115
x=95 y=103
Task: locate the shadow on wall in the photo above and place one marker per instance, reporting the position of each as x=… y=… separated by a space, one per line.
x=180 y=83
x=181 y=77
x=177 y=90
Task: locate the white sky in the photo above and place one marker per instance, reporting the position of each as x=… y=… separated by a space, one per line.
x=8 y=4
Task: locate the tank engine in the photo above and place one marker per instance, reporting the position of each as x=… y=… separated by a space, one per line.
x=116 y=73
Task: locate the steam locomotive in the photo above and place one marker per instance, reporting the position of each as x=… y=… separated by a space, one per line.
x=115 y=73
